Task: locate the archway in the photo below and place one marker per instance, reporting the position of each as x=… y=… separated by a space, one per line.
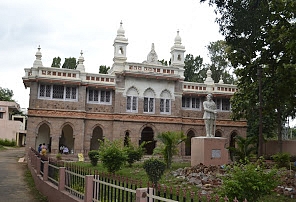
x=147 y=135
x=190 y=135
x=67 y=138
x=126 y=141
x=218 y=133
x=96 y=136
x=232 y=144
x=43 y=136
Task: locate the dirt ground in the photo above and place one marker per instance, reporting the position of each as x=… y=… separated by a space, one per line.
x=13 y=188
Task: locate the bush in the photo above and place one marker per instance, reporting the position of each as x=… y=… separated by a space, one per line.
x=94 y=157
x=154 y=169
x=59 y=156
x=8 y=143
x=282 y=160
x=134 y=153
x=248 y=181
x=112 y=155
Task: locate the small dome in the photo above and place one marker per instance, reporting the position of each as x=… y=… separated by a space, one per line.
x=178 y=39
x=120 y=31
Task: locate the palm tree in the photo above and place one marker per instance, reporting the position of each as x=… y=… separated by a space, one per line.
x=245 y=147
x=169 y=146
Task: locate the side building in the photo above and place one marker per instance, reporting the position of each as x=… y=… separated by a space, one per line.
x=136 y=100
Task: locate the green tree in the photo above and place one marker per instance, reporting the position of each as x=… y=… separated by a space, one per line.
x=6 y=94
x=169 y=146
x=261 y=35
x=244 y=148
x=56 y=62
x=104 y=69
x=70 y=63
x=220 y=65
x=193 y=66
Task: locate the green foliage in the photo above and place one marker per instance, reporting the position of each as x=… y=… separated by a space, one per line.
x=70 y=63
x=169 y=146
x=6 y=94
x=282 y=160
x=104 y=69
x=220 y=65
x=94 y=157
x=8 y=143
x=112 y=155
x=245 y=148
x=192 y=69
x=154 y=169
x=134 y=153
x=56 y=62
x=248 y=182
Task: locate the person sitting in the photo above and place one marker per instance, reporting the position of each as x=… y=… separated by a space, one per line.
x=43 y=149
x=65 y=150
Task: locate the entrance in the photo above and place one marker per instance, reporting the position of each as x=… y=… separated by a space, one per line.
x=43 y=136
x=190 y=135
x=147 y=135
x=96 y=136
x=67 y=139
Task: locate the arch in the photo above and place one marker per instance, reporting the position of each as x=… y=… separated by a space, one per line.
x=166 y=94
x=67 y=137
x=43 y=135
x=97 y=134
x=133 y=91
x=218 y=133
x=179 y=57
x=190 y=134
x=232 y=144
x=149 y=92
x=147 y=135
x=126 y=140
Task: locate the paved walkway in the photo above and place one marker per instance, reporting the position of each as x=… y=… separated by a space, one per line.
x=13 y=188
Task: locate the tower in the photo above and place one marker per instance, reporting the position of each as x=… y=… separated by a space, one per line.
x=177 y=54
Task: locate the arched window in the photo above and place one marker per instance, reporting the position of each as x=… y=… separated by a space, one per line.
x=149 y=99
x=132 y=100
x=165 y=102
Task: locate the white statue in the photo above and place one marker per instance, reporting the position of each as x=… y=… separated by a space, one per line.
x=210 y=113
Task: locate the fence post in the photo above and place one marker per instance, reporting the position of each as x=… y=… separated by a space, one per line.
x=142 y=195
x=45 y=170
x=62 y=175
x=38 y=165
x=88 y=194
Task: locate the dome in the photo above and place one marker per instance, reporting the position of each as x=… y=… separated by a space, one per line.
x=178 y=39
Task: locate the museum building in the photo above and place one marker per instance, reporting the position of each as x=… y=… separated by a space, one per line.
x=74 y=108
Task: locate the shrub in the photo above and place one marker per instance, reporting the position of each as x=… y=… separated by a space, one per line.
x=134 y=153
x=59 y=156
x=112 y=155
x=94 y=157
x=281 y=160
x=154 y=169
x=248 y=181
x=8 y=143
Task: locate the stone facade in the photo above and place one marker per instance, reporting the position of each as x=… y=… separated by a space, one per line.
x=139 y=100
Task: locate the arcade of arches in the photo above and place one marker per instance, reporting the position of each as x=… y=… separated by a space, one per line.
x=67 y=139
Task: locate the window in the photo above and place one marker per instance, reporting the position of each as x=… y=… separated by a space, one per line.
x=191 y=103
x=131 y=104
x=58 y=92
x=148 y=104
x=165 y=102
x=223 y=104
x=1 y=115
x=99 y=96
x=149 y=101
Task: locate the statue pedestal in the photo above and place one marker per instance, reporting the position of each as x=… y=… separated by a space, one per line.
x=208 y=151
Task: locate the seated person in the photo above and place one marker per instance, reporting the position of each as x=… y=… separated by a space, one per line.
x=66 y=150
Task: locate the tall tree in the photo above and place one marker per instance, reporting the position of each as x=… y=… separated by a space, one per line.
x=261 y=36
x=220 y=65
x=6 y=94
x=104 y=69
x=193 y=66
x=56 y=62
x=70 y=63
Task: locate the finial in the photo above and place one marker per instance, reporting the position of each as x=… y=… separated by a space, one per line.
x=81 y=53
x=121 y=23
x=152 y=46
x=39 y=48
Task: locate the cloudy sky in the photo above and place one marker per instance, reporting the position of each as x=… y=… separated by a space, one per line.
x=64 y=28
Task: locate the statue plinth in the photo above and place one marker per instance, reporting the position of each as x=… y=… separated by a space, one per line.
x=209 y=151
